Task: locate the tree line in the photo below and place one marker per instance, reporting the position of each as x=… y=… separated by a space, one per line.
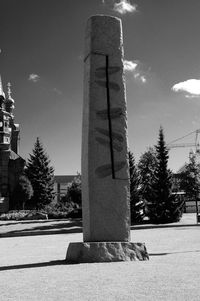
x=152 y=186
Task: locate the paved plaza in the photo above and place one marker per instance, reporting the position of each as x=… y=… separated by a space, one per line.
x=32 y=266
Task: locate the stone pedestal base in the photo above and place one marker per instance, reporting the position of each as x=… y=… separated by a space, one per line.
x=85 y=252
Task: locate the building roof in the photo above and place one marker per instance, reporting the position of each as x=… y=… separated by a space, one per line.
x=64 y=179
x=14 y=156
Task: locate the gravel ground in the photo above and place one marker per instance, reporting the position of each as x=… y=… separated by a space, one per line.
x=32 y=268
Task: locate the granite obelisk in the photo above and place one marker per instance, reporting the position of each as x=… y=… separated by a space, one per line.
x=105 y=173
x=105 y=170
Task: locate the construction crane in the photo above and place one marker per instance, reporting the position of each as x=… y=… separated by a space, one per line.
x=195 y=144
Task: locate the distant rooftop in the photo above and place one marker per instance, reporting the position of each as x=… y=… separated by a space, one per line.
x=64 y=178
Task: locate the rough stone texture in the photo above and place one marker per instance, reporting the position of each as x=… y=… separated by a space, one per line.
x=105 y=172
x=105 y=252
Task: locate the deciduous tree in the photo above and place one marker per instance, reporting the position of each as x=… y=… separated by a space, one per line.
x=190 y=178
x=146 y=167
x=22 y=193
x=73 y=195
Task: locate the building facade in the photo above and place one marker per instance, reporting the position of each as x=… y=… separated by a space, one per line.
x=61 y=184
x=11 y=164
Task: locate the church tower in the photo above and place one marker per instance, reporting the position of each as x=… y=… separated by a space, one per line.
x=5 y=138
x=14 y=127
x=11 y=164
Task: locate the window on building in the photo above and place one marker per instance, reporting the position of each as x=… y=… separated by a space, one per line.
x=6 y=140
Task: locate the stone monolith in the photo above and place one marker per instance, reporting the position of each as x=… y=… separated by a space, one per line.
x=105 y=170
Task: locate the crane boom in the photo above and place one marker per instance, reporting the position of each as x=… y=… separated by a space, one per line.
x=169 y=146
x=195 y=144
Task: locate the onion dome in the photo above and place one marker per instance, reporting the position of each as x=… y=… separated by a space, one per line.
x=9 y=101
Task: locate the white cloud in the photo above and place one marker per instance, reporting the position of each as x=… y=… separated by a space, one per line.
x=191 y=96
x=34 y=77
x=133 y=68
x=190 y=86
x=130 y=65
x=143 y=79
x=140 y=77
x=124 y=6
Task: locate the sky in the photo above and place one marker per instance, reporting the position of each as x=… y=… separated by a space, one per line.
x=42 y=50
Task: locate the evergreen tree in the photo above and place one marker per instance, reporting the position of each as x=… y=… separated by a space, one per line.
x=164 y=206
x=136 y=202
x=41 y=175
x=146 y=167
x=22 y=193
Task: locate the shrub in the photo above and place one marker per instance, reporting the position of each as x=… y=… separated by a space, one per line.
x=58 y=210
x=14 y=215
